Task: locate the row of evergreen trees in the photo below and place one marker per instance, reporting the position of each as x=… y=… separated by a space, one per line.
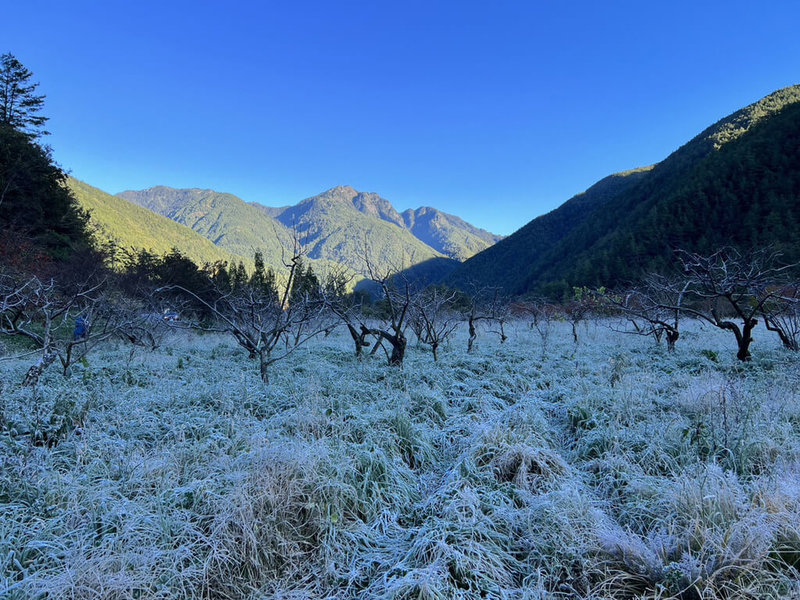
x=142 y=271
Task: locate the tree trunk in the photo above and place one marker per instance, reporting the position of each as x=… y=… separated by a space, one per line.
x=263 y=365
x=747 y=337
x=672 y=337
x=472 y=334
x=743 y=336
x=435 y=347
x=358 y=338
x=398 y=342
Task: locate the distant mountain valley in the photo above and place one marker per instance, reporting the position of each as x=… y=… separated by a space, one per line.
x=736 y=183
x=341 y=226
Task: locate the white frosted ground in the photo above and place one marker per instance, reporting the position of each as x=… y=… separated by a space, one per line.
x=513 y=472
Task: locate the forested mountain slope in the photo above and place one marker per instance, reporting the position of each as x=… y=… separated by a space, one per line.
x=132 y=226
x=227 y=221
x=504 y=263
x=445 y=234
x=448 y=234
x=334 y=227
x=337 y=226
x=738 y=182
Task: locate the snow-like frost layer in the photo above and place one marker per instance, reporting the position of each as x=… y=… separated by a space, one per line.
x=606 y=469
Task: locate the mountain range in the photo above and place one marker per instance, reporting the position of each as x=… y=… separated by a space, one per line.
x=447 y=234
x=736 y=183
x=338 y=227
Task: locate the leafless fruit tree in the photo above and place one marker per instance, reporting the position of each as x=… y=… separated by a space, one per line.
x=486 y=305
x=730 y=289
x=66 y=324
x=265 y=318
x=433 y=317
x=578 y=309
x=347 y=308
x=654 y=308
x=782 y=315
x=396 y=292
x=541 y=314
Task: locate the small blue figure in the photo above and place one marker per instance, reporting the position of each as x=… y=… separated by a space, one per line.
x=80 y=329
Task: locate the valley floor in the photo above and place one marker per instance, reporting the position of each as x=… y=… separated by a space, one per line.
x=606 y=469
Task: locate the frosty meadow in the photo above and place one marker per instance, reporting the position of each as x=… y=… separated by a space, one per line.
x=609 y=468
x=301 y=394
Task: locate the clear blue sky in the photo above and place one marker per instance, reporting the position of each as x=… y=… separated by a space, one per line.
x=495 y=111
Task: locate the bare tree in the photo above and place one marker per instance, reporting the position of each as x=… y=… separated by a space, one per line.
x=782 y=315
x=654 y=308
x=486 y=305
x=730 y=289
x=347 y=308
x=264 y=316
x=351 y=316
x=579 y=307
x=396 y=292
x=541 y=314
x=64 y=325
x=433 y=318
x=473 y=317
x=398 y=301
x=495 y=311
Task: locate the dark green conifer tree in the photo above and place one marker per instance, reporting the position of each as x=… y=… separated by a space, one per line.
x=19 y=103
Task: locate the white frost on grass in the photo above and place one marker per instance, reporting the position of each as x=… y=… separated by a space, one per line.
x=604 y=469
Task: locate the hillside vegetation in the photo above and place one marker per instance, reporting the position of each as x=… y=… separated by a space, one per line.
x=448 y=234
x=510 y=258
x=39 y=219
x=738 y=182
x=225 y=220
x=334 y=225
x=131 y=226
x=333 y=228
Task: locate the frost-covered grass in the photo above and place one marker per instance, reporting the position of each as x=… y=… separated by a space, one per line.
x=609 y=469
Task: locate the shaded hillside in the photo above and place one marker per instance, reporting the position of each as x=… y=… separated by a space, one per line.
x=131 y=226
x=735 y=183
x=504 y=263
x=272 y=211
x=746 y=194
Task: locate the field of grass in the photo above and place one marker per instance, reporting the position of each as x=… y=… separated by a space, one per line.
x=606 y=469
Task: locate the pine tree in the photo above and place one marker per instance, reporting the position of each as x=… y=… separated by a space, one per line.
x=259 y=277
x=238 y=275
x=305 y=282
x=19 y=104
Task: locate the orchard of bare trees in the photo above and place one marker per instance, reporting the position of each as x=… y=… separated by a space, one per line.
x=270 y=314
x=221 y=432
x=728 y=289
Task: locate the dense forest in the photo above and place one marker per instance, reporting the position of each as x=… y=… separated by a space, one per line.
x=737 y=183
